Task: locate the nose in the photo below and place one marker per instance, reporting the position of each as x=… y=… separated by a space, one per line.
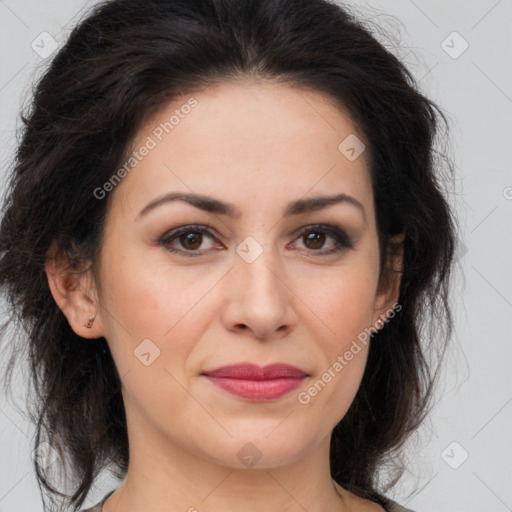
x=258 y=298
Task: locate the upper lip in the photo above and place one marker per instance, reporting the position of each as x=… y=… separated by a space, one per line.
x=250 y=371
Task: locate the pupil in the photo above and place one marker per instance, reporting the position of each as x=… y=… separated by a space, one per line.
x=189 y=240
x=315 y=238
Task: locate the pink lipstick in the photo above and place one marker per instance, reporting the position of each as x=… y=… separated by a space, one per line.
x=257 y=383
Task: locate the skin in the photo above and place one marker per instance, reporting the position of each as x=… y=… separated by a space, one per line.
x=259 y=146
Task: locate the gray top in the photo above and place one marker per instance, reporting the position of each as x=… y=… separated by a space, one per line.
x=393 y=505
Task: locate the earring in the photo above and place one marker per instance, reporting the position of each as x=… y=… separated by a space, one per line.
x=89 y=323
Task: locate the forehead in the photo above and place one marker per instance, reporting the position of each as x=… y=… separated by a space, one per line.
x=248 y=140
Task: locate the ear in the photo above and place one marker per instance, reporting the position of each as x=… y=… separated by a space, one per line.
x=74 y=292
x=389 y=286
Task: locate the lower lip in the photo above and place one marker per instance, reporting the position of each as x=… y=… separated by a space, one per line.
x=258 y=390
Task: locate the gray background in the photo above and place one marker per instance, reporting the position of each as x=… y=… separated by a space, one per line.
x=473 y=418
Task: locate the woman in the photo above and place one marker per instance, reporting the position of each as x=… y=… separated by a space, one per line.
x=223 y=233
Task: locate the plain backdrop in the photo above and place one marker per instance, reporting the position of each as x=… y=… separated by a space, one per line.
x=461 y=52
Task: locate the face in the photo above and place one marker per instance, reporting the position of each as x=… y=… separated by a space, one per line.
x=256 y=275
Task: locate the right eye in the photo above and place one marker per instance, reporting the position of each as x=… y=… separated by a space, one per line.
x=189 y=237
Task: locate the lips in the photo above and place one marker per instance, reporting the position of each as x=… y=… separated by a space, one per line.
x=249 y=371
x=257 y=383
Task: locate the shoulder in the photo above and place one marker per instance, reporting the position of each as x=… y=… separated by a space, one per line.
x=355 y=502
x=370 y=506
x=393 y=506
x=363 y=505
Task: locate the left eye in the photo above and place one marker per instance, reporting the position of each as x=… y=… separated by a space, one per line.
x=314 y=237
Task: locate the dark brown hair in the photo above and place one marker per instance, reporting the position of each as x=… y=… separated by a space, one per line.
x=122 y=63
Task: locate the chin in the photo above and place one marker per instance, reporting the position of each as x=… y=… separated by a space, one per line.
x=261 y=451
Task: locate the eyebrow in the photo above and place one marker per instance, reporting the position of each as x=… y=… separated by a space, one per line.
x=212 y=205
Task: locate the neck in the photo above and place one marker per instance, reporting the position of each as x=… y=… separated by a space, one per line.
x=181 y=481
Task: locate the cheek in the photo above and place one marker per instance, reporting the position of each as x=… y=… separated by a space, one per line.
x=343 y=308
x=145 y=295
x=168 y=307
x=342 y=301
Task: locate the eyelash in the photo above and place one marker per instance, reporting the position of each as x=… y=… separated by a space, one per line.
x=342 y=239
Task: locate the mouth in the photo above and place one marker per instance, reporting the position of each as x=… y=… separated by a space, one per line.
x=256 y=383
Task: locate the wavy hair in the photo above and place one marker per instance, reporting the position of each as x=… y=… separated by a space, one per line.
x=123 y=62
